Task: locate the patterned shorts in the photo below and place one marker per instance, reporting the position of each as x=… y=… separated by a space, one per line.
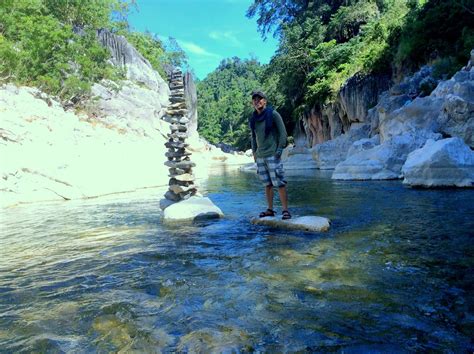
x=270 y=171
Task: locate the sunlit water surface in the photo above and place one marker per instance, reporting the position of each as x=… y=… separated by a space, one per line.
x=394 y=273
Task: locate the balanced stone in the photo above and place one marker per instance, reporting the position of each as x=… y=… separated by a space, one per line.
x=184 y=120
x=177 y=112
x=177 y=154
x=172 y=196
x=179 y=105
x=182 y=164
x=176 y=99
x=177 y=171
x=177 y=136
x=171 y=144
x=178 y=127
x=180 y=189
x=176 y=86
x=186 y=177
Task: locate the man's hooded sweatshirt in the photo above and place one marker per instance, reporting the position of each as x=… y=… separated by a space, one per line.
x=268 y=133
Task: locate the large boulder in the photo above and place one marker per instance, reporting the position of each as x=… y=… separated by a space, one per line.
x=419 y=115
x=192 y=209
x=129 y=107
x=302 y=223
x=299 y=162
x=442 y=163
x=327 y=155
x=383 y=161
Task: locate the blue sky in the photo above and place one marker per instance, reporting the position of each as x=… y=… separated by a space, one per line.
x=207 y=30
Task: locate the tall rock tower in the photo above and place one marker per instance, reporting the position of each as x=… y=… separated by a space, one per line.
x=181 y=183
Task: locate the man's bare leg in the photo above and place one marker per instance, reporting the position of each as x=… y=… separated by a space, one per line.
x=283 y=197
x=269 y=195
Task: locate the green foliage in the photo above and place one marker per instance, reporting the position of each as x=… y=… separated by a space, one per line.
x=435 y=29
x=38 y=48
x=324 y=43
x=38 y=45
x=225 y=103
x=347 y=21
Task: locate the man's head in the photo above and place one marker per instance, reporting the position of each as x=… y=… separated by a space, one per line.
x=259 y=100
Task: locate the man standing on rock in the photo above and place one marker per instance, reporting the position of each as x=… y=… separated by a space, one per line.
x=268 y=140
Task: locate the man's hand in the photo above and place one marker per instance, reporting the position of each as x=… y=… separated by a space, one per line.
x=278 y=153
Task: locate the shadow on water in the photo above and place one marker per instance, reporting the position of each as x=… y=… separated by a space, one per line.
x=393 y=274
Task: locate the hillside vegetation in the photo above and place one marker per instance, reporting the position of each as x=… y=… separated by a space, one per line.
x=52 y=44
x=324 y=43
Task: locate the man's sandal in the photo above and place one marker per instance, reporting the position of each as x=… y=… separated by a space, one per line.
x=268 y=212
x=285 y=215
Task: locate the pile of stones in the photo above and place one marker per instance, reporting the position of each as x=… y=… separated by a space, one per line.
x=181 y=184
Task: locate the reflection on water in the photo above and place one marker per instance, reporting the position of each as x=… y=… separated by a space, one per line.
x=393 y=274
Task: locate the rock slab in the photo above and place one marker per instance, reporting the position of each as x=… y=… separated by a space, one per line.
x=443 y=163
x=192 y=209
x=304 y=223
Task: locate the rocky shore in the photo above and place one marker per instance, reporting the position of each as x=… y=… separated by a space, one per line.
x=425 y=138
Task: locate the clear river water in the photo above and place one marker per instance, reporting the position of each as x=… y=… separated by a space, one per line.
x=394 y=273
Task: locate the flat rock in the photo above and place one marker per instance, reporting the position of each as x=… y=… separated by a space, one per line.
x=304 y=223
x=191 y=209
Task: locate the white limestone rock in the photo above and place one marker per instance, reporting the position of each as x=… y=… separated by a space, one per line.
x=384 y=161
x=443 y=163
x=191 y=209
x=299 y=162
x=363 y=144
x=328 y=154
x=303 y=223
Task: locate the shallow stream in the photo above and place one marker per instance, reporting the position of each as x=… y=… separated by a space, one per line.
x=394 y=273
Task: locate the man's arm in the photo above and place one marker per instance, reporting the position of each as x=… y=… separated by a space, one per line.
x=282 y=135
x=253 y=141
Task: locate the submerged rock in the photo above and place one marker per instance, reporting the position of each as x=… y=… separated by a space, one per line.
x=192 y=209
x=443 y=163
x=304 y=223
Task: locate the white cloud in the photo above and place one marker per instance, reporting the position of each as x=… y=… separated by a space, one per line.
x=228 y=36
x=195 y=49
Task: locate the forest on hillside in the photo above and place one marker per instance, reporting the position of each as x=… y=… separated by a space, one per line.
x=322 y=43
x=51 y=44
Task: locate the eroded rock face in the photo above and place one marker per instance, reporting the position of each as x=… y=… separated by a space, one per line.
x=138 y=69
x=356 y=97
x=144 y=95
x=190 y=95
x=442 y=163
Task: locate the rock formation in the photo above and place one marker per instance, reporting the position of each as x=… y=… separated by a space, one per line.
x=405 y=118
x=181 y=183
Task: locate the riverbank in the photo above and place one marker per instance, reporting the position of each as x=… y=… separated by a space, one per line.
x=49 y=153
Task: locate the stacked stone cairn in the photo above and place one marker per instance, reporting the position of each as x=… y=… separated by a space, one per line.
x=181 y=184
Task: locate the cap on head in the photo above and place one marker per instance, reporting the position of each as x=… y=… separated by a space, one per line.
x=258 y=93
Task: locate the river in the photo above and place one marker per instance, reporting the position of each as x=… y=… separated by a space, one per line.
x=393 y=274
